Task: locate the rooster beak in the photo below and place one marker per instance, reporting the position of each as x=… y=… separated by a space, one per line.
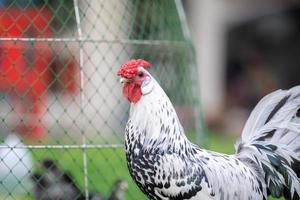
x=124 y=80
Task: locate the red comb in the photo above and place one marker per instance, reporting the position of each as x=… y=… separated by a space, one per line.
x=129 y=69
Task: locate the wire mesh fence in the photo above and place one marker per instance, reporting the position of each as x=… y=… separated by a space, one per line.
x=62 y=114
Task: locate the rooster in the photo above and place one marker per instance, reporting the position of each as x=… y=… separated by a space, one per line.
x=166 y=165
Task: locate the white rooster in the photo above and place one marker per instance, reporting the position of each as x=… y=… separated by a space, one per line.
x=165 y=165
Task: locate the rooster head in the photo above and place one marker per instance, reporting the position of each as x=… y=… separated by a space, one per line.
x=136 y=79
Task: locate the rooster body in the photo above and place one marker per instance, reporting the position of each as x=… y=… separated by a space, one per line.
x=165 y=165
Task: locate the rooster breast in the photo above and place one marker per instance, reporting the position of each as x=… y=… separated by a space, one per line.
x=163 y=175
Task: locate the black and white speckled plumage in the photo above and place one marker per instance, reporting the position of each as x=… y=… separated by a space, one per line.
x=165 y=165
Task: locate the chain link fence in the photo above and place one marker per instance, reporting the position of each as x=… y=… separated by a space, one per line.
x=62 y=114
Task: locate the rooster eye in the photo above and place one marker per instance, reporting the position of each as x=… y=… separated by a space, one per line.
x=140 y=74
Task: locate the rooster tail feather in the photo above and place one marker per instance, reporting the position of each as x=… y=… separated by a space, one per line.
x=271 y=139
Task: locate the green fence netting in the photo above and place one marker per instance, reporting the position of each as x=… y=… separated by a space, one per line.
x=60 y=101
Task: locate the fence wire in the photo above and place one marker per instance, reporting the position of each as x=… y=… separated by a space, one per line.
x=62 y=114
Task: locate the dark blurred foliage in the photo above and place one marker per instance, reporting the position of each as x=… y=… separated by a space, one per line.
x=156 y=20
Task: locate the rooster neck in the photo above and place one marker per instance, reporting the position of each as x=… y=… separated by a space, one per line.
x=154 y=125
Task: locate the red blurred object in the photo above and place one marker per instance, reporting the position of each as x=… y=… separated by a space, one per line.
x=67 y=76
x=24 y=74
x=70 y=77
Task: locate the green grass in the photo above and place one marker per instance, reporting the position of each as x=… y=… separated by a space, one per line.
x=220 y=143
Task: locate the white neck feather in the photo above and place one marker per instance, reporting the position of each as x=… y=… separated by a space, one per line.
x=156 y=120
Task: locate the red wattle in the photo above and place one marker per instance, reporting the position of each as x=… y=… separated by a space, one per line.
x=132 y=91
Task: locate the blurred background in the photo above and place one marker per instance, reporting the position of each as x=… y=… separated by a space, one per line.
x=62 y=113
x=245 y=49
